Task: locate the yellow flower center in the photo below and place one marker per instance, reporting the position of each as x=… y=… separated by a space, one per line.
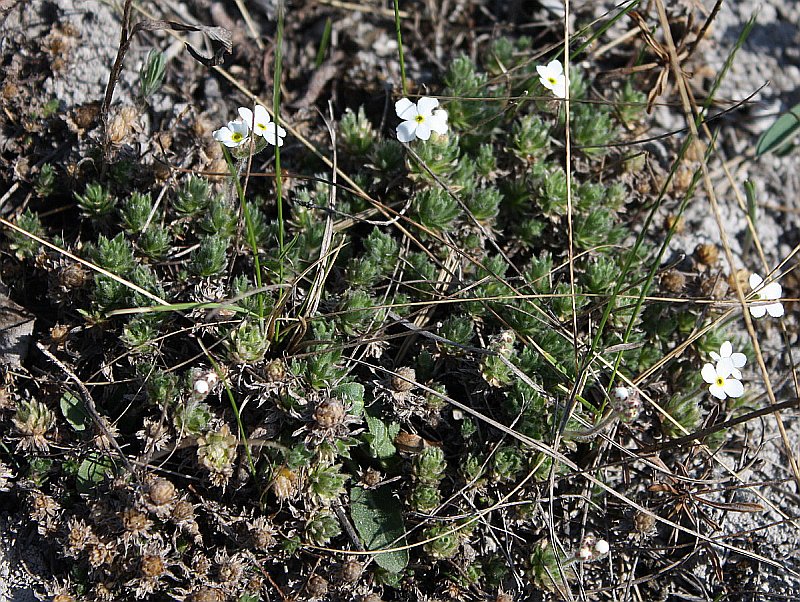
x=261 y=126
x=552 y=80
x=720 y=381
x=236 y=136
x=419 y=118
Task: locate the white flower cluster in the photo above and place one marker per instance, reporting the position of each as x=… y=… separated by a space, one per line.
x=420 y=119
x=237 y=132
x=591 y=548
x=724 y=375
x=765 y=292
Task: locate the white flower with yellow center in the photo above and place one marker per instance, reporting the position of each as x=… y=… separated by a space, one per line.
x=769 y=292
x=722 y=382
x=420 y=119
x=262 y=124
x=734 y=360
x=235 y=134
x=553 y=78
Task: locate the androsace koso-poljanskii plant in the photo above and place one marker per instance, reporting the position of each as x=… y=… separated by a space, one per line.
x=457 y=363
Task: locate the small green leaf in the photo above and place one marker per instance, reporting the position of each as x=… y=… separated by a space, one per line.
x=779 y=135
x=381 y=437
x=93 y=470
x=378 y=520
x=353 y=393
x=73 y=410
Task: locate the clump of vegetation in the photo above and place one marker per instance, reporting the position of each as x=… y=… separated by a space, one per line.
x=344 y=389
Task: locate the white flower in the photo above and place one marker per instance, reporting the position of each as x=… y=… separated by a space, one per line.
x=553 y=78
x=722 y=383
x=735 y=360
x=420 y=119
x=262 y=124
x=601 y=547
x=770 y=292
x=233 y=135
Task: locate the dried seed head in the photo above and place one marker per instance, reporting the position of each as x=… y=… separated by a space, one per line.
x=183 y=511
x=714 y=287
x=683 y=178
x=229 y=568
x=207 y=594
x=643 y=522
x=673 y=281
x=329 y=414
x=120 y=125
x=100 y=554
x=135 y=522
x=152 y=566
x=743 y=276
x=262 y=533
x=371 y=477
x=351 y=571
x=284 y=485
x=317 y=586
x=275 y=371
x=63 y=598
x=161 y=492
x=403 y=380
x=79 y=537
x=59 y=334
x=371 y=598
x=707 y=254
x=675 y=221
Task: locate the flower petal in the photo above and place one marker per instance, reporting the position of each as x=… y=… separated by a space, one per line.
x=262 y=115
x=222 y=134
x=405 y=109
x=736 y=373
x=772 y=291
x=775 y=310
x=757 y=311
x=554 y=67
x=438 y=121
x=724 y=368
x=708 y=373
x=246 y=115
x=755 y=281
x=426 y=105
x=423 y=130
x=715 y=356
x=717 y=391
x=406 y=131
x=560 y=87
x=726 y=349
x=733 y=388
x=738 y=359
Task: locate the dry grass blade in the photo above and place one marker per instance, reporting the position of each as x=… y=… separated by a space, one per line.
x=690 y=112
